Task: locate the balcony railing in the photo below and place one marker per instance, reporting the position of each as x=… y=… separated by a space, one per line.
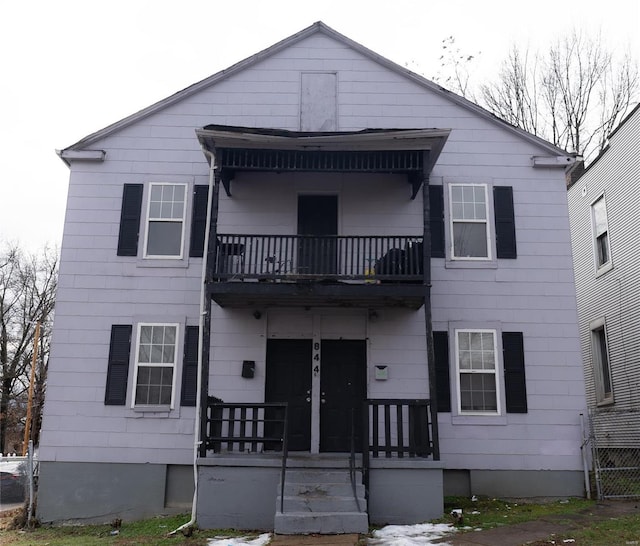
x=300 y=257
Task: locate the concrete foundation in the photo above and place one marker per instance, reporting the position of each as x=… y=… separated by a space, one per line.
x=405 y=491
x=100 y=492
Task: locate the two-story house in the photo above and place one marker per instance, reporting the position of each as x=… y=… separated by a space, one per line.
x=333 y=288
x=603 y=206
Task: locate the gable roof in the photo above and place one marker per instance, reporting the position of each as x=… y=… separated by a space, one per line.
x=317 y=27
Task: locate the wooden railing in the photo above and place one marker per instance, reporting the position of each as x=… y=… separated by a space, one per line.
x=248 y=428
x=295 y=257
x=396 y=428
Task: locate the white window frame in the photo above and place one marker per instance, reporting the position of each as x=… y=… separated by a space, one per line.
x=486 y=221
x=600 y=375
x=605 y=266
x=495 y=372
x=173 y=365
x=150 y=219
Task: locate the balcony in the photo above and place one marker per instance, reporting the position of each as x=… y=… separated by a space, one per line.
x=304 y=271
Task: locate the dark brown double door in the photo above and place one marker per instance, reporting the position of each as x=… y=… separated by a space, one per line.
x=342 y=369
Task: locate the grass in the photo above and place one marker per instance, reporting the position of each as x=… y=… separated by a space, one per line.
x=483 y=513
x=138 y=533
x=487 y=513
x=623 y=531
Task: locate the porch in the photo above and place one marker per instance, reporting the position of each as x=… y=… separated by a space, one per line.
x=250 y=480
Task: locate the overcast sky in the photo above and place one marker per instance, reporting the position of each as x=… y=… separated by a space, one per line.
x=71 y=67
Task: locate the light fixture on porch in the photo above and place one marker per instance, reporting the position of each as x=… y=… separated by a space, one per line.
x=373 y=315
x=257 y=314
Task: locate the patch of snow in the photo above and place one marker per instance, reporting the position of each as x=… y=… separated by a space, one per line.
x=262 y=540
x=422 y=534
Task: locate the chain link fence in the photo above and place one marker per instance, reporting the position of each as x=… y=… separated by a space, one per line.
x=615 y=441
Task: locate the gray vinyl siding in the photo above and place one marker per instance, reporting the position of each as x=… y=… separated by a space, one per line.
x=614 y=295
x=533 y=294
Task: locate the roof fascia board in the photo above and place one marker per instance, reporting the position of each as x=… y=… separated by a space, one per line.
x=312 y=29
x=194 y=88
x=457 y=99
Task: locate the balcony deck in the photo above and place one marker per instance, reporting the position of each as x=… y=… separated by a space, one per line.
x=337 y=271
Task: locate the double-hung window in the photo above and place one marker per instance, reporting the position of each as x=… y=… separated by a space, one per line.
x=155 y=364
x=469 y=221
x=166 y=220
x=601 y=368
x=477 y=372
x=601 y=233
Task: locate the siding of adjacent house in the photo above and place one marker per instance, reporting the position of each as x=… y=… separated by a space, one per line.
x=614 y=295
x=532 y=294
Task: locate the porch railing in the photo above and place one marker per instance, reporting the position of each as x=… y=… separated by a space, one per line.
x=253 y=428
x=352 y=460
x=396 y=428
x=295 y=257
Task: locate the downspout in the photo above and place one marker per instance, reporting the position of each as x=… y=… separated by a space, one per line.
x=205 y=309
x=431 y=361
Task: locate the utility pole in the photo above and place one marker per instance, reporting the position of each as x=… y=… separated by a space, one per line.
x=34 y=360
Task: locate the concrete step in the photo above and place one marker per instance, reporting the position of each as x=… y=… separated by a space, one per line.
x=320 y=500
x=315 y=475
x=327 y=523
x=325 y=489
x=323 y=504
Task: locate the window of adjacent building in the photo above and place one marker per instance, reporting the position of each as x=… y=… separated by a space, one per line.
x=155 y=364
x=165 y=220
x=600 y=357
x=601 y=233
x=469 y=224
x=477 y=371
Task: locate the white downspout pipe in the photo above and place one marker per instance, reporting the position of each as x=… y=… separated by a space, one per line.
x=203 y=296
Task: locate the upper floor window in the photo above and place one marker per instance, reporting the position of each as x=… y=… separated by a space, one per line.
x=477 y=371
x=601 y=232
x=165 y=220
x=155 y=364
x=601 y=368
x=469 y=221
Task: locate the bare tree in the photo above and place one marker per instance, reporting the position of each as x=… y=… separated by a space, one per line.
x=573 y=94
x=455 y=68
x=27 y=295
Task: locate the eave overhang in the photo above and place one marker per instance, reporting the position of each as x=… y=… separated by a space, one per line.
x=412 y=152
x=69 y=155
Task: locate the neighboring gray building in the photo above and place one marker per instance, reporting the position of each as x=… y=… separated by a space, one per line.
x=604 y=209
x=383 y=255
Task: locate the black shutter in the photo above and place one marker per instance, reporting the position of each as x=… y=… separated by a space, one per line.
x=190 y=367
x=505 y=222
x=515 y=385
x=130 y=220
x=441 y=350
x=118 y=366
x=198 y=220
x=436 y=221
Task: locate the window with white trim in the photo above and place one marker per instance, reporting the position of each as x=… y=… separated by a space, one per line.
x=600 y=357
x=600 y=233
x=469 y=221
x=477 y=372
x=155 y=365
x=165 y=220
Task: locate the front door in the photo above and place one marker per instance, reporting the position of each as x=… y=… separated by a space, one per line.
x=288 y=379
x=318 y=221
x=343 y=389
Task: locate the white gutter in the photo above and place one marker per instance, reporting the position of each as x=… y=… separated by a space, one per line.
x=552 y=161
x=203 y=296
